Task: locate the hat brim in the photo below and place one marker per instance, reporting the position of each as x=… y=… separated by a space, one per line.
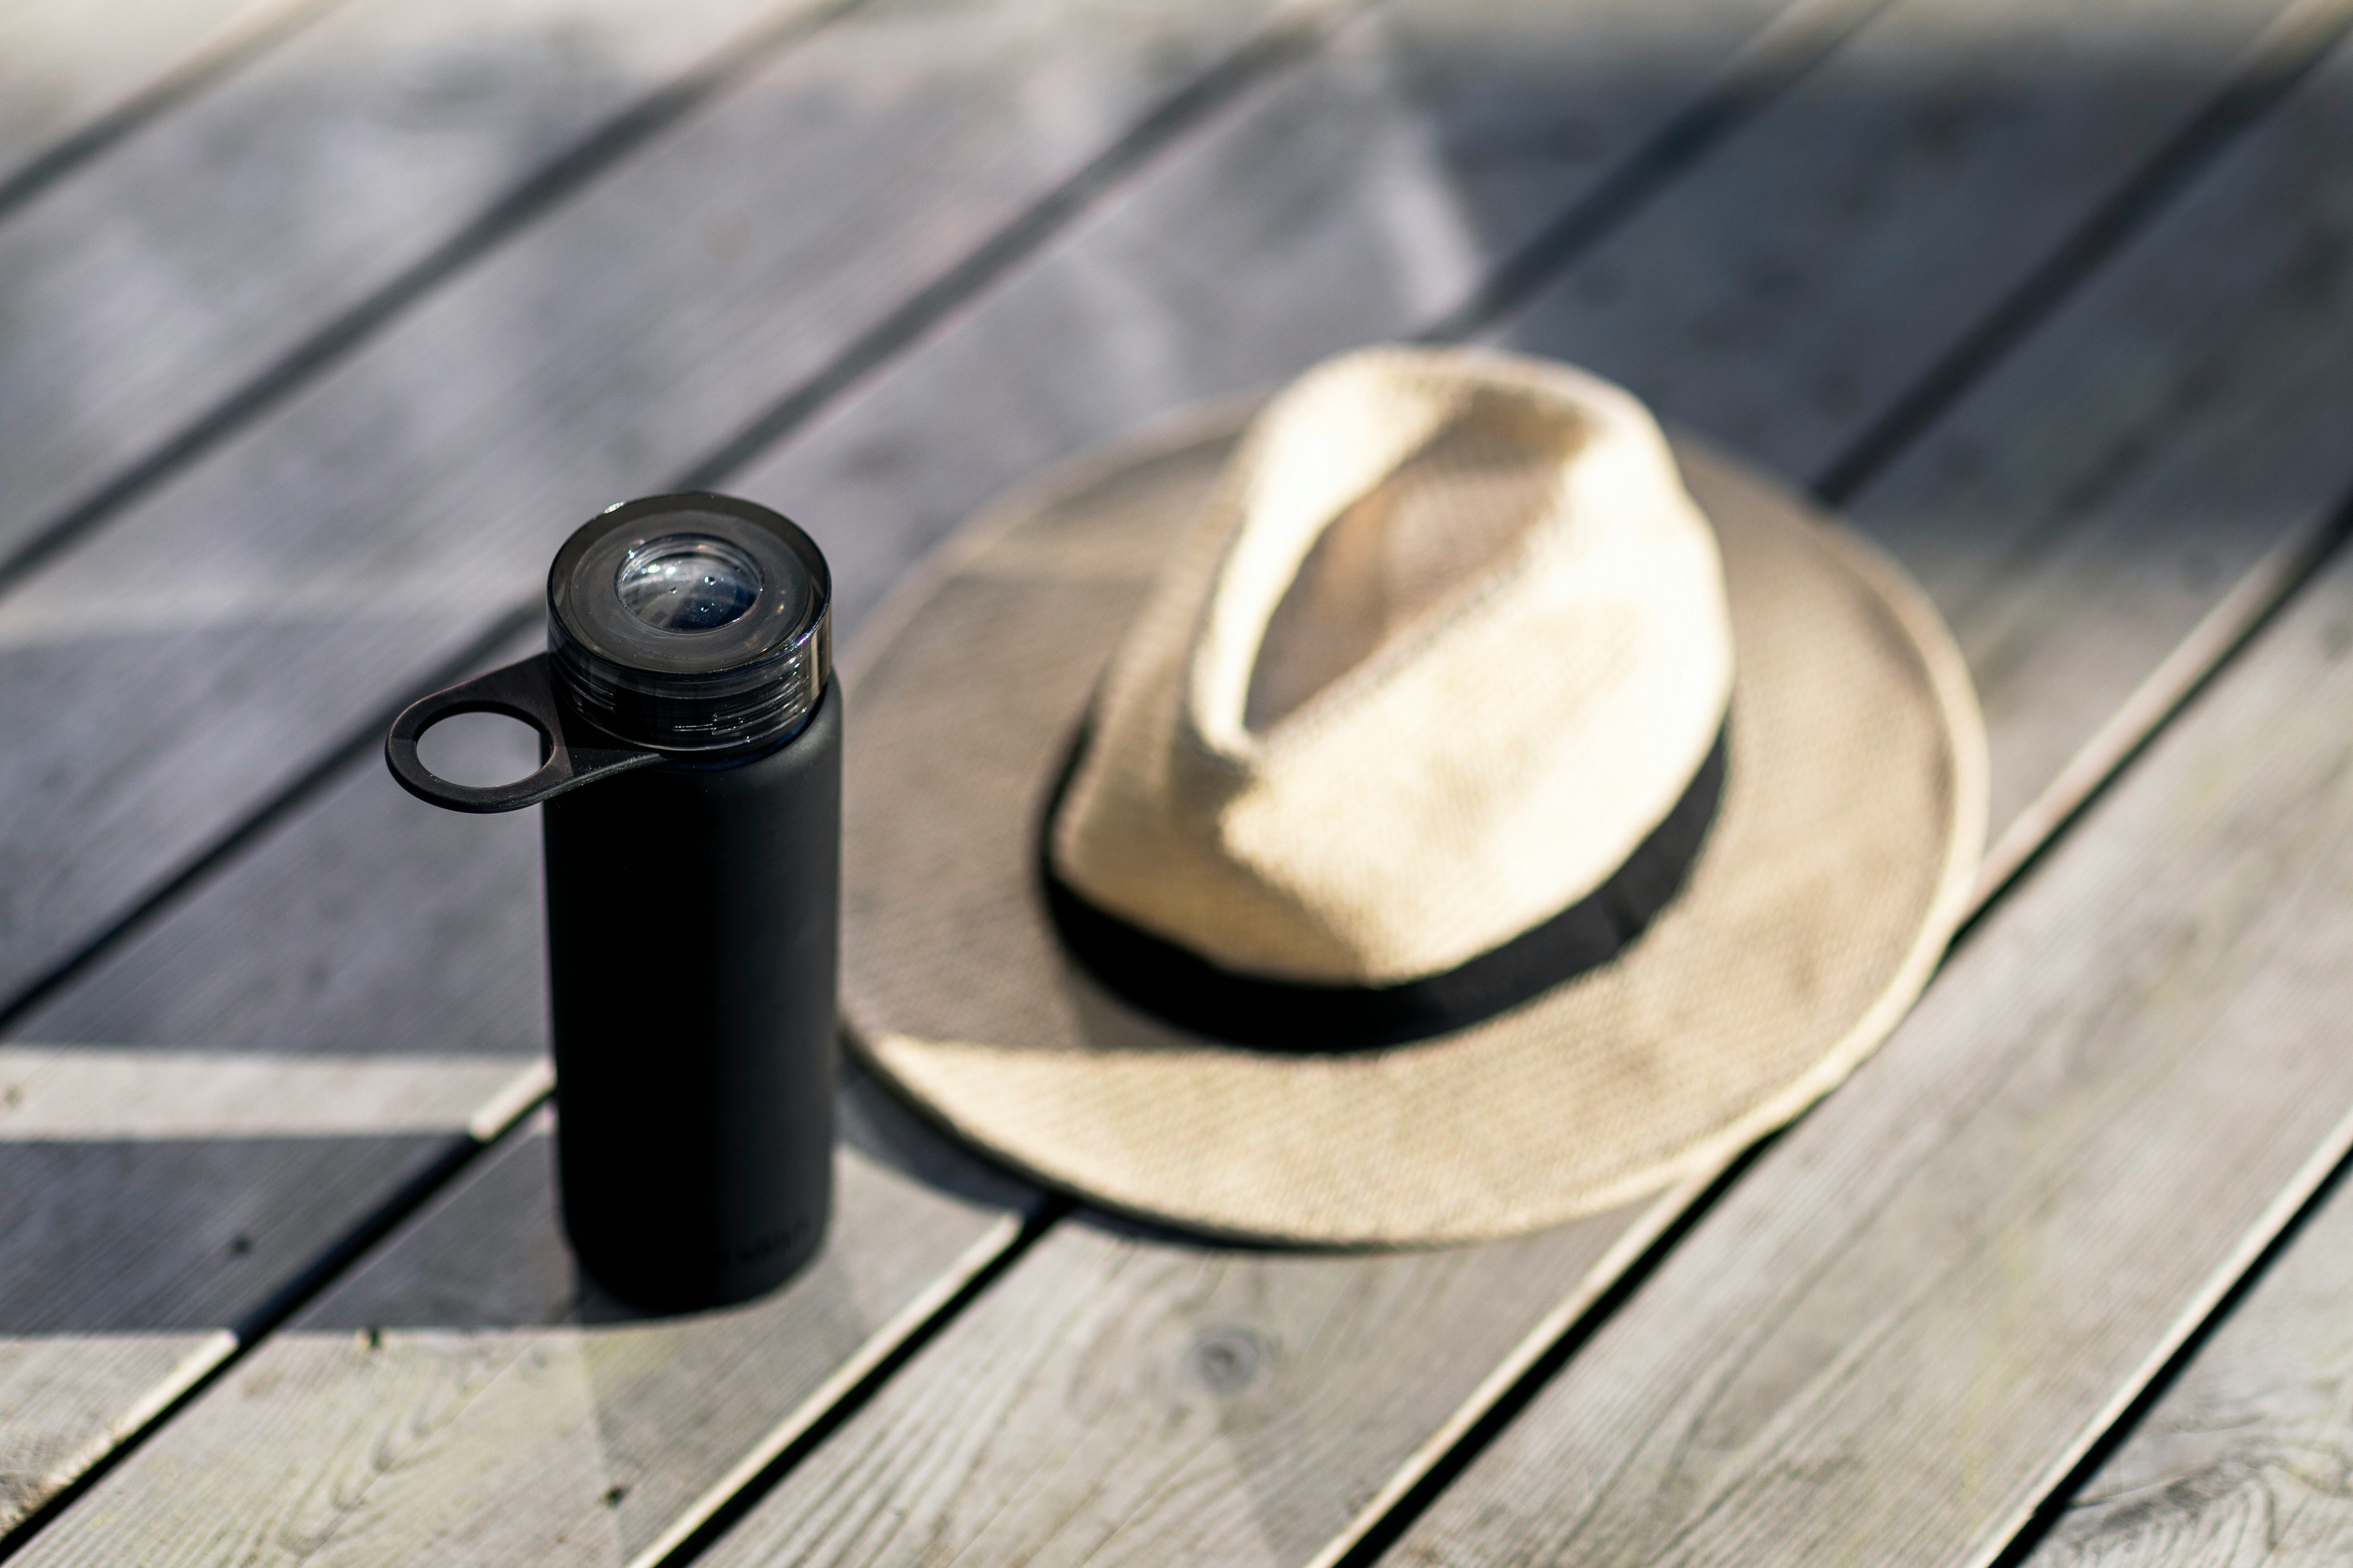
x=1837 y=866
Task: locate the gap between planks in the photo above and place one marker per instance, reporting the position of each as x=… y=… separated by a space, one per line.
x=1267 y=48
x=2289 y=49
x=507 y=214
x=838 y=1396
x=2222 y=636
x=503 y=629
x=2239 y=782
x=2224 y=626
x=241 y=36
x=2235 y=1454
x=2194 y=662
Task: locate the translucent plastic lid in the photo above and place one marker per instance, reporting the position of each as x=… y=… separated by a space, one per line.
x=692 y=623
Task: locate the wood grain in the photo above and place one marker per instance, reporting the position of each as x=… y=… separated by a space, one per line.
x=77 y=1095
x=320 y=934
x=114 y=1277
x=2245 y=1458
x=75 y=78
x=1901 y=1327
x=1218 y=1358
x=300 y=578
x=351 y=943
x=2240 y=1460
x=484 y=1405
x=2116 y=1093
x=1066 y=1415
x=64 y=1403
x=240 y=246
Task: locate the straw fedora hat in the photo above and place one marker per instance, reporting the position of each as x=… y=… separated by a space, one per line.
x=1427 y=807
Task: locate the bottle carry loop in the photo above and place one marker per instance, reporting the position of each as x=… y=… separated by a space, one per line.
x=573 y=754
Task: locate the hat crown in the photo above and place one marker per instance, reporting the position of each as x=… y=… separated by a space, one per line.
x=1446 y=641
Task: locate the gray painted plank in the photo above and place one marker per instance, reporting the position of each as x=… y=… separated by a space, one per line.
x=2118 y=1093
x=489 y=1407
x=319 y=934
x=1906 y=1321
x=2244 y=1459
x=87 y=1095
x=1218 y=1358
x=65 y=1403
x=367 y=922
x=145 y=290
x=299 y=578
x=141 y=1258
x=1071 y=1414
x=2239 y=1460
x=960 y=116
x=75 y=76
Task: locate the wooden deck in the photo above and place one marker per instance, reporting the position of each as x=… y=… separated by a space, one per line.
x=322 y=322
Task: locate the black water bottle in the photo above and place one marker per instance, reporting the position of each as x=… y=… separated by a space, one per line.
x=690 y=744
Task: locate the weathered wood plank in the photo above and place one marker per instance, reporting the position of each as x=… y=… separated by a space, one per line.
x=366 y=922
x=2244 y=1459
x=82 y=1094
x=2239 y=1461
x=1241 y=1352
x=163 y=298
x=907 y=132
x=1901 y=1327
x=1217 y=1358
x=131 y=1263
x=2134 y=1077
x=1067 y=1412
x=299 y=577
x=2209 y=354
x=1750 y=314
x=75 y=78
x=487 y=1407
x=64 y=1404
x=322 y=934
x=332 y=919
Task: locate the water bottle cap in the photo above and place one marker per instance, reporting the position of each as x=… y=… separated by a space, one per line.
x=690 y=623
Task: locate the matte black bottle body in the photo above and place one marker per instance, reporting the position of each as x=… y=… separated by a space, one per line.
x=692 y=919
x=691 y=779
